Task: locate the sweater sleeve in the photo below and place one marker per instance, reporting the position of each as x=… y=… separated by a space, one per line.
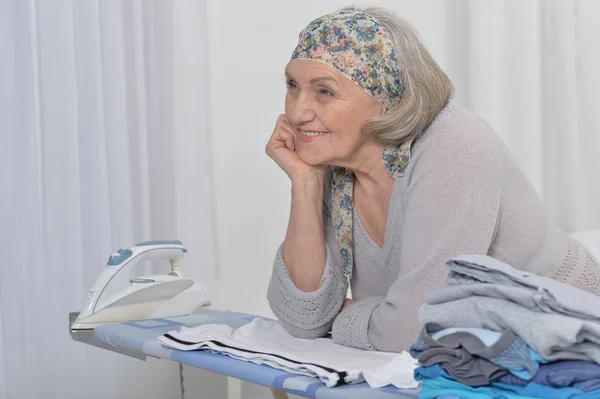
x=310 y=314
x=450 y=207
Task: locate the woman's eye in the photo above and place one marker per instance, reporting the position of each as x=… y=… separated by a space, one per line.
x=291 y=85
x=326 y=92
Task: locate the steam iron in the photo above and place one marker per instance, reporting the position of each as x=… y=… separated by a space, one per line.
x=117 y=297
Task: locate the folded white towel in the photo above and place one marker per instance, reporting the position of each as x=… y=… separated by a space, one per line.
x=267 y=342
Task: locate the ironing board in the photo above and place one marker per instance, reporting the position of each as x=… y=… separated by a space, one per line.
x=140 y=338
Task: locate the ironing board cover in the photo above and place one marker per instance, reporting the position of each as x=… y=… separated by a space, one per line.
x=141 y=337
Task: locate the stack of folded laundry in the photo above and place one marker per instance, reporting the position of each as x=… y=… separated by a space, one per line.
x=497 y=332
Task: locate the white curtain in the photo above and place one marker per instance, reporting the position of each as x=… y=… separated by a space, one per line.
x=103 y=145
x=104 y=142
x=571 y=112
x=532 y=69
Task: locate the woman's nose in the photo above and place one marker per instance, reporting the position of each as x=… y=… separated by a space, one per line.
x=302 y=111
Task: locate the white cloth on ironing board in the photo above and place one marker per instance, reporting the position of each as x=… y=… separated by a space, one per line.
x=267 y=342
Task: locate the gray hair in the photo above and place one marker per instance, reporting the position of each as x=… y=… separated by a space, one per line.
x=427 y=87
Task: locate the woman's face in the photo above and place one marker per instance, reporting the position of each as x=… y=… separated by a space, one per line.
x=327 y=112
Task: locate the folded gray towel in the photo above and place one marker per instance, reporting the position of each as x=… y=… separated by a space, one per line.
x=485 y=276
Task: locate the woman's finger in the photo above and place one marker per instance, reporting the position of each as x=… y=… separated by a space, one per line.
x=289 y=143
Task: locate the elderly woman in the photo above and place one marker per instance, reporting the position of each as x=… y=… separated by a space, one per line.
x=391 y=178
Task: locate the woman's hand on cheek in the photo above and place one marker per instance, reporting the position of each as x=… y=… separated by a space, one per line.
x=282 y=149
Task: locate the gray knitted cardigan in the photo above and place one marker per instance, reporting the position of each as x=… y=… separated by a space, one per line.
x=462 y=193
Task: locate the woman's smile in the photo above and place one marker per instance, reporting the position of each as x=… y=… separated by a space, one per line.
x=310 y=137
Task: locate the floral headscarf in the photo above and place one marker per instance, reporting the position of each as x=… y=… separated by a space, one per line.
x=357 y=46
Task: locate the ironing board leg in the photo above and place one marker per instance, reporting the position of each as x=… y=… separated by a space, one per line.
x=278 y=394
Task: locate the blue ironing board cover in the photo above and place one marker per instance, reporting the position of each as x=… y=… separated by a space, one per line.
x=141 y=337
